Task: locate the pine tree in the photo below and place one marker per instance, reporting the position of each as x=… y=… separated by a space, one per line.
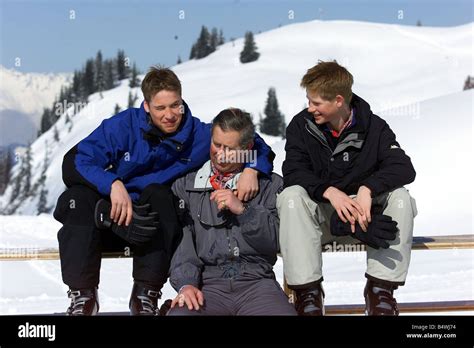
x=75 y=97
x=202 y=48
x=55 y=134
x=249 y=53
x=221 y=40
x=15 y=193
x=192 y=54
x=45 y=120
x=43 y=195
x=109 y=74
x=274 y=121
x=117 y=109
x=468 y=83
x=214 y=40
x=122 y=65
x=99 y=73
x=179 y=61
x=134 y=82
x=418 y=23
x=131 y=99
x=88 y=78
x=5 y=167
x=26 y=173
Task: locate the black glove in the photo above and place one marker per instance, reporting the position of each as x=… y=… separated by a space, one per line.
x=381 y=229
x=141 y=229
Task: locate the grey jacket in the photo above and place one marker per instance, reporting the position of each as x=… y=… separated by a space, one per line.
x=220 y=244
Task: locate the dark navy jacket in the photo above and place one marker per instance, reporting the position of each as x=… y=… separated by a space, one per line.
x=129 y=147
x=366 y=154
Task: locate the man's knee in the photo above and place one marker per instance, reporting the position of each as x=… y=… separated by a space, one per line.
x=155 y=192
x=401 y=198
x=290 y=195
x=76 y=204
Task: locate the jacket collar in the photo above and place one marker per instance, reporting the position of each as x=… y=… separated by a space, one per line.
x=202 y=183
x=182 y=135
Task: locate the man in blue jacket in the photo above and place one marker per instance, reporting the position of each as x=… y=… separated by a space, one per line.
x=119 y=179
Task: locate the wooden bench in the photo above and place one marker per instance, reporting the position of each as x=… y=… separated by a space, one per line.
x=419 y=243
x=465 y=241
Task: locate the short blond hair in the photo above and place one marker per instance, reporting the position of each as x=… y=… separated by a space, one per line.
x=329 y=79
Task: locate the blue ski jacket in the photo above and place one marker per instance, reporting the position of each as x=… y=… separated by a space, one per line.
x=128 y=147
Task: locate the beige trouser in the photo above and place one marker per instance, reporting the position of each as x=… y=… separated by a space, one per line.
x=304 y=229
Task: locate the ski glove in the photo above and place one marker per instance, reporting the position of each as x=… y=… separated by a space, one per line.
x=139 y=232
x=381 y=229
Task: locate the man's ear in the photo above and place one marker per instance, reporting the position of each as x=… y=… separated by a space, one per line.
x=339 y=100
x=146 y=106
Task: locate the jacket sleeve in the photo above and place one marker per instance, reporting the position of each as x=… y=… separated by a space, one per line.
x=186 y=266
x=87 y=162
x=265 y=156
x=297 y=168
x=259 y=224
x=395 y=168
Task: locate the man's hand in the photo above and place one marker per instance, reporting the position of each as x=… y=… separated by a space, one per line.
x=247 y=186
x=189 y=295
x=347 y=209
x=121 y=204
x=226 y=199
x=381 y=230
x=364 y=199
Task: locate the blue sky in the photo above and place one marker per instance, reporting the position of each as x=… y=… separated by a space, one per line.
x=46 y=38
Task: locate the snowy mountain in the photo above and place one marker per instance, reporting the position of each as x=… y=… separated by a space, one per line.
x=395 y=68
x=22 y=99
x=412 y=77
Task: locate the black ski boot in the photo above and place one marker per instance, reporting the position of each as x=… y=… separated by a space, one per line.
x=83 y=302
x=310 y=301
x=144 y=300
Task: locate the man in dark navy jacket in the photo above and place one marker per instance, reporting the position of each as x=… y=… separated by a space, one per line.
x=119 y=179
x=344 y=174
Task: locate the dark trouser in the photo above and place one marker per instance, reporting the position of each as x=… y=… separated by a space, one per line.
x=225 y=296
x=81 y=243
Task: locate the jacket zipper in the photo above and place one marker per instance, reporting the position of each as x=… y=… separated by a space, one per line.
x=325 y=144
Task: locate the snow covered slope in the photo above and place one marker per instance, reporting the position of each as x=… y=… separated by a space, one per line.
x=414 y=75
x=392 y=66
x=22 y=99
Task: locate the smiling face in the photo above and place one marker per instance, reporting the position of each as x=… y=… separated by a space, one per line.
x=323 y=110
x=166 y=110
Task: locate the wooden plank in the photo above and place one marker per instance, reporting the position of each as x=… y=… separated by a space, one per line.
x=359 y=309
x=410 y=307
x=465 y=241
x=46 y=254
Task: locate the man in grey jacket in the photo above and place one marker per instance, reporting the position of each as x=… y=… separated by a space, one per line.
x=224 y=263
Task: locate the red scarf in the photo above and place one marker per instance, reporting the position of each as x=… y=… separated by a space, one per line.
x=219 y=179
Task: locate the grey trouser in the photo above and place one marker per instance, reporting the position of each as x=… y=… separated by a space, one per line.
x=304 y=229
x=227 y=296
